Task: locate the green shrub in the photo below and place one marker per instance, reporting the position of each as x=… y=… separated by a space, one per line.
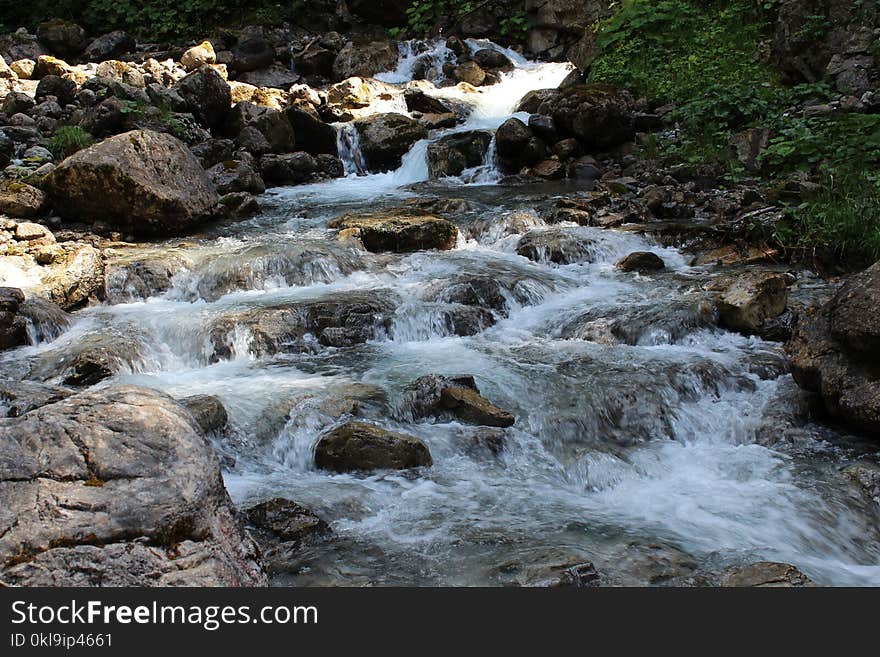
x=67 y=140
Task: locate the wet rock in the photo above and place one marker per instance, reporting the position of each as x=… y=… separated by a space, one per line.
x=642 y=262
x=131 y=495
x=399 y=230
x=109 y=46
x=492 y=60
x=236 y=176
x=560 y=246
x=208 y=96
x=288 y=169
x=20 y=397
x=213 y=151
x=282 y=520
x=547 y=567
x=361 y=447
x=832 y=362
x=144 y=182
x=517 y=145
x=340 y=321
x=867 y=477
x=93 y=358
x=198 y=56
x=13 y=332
x=549 y=170
x=312 y=135
x=450 y=155
x=77 y=278
x=19 y=199
x=133 y=278
x=471 y=73
x=751 y=299
x=766 y=574
x=208 y=412
x=364 y=59
x=386 y=138
x=459 y=398
x=855 y=320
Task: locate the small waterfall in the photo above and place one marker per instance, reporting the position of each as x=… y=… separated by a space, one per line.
x=419 y=60
x=348 y=143
x=488 y=172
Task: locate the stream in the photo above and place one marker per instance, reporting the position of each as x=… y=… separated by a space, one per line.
x=659 y=456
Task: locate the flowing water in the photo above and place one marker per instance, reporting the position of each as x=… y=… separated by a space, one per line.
x=674 y=449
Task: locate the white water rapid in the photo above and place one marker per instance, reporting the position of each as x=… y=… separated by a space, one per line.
x=658 y=456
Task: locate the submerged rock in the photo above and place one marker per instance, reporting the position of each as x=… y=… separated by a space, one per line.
x=560 y=246
x=401 y=230
x=642 y=262
x=358 y=446
x=283 y=520
x=459 y=398
x=117 y=487
x=145 y=182
x=766 y=574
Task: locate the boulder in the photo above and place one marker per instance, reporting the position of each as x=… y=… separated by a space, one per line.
x=399 y=231
x=281 y=520
x=340 y=321
x=17 y=103
x=145 y=182
x=364 y=59
x=386 y=138
x=642 y=262
x=77 y=279
x=198 y=56
x=450 y=155
x=751 y=299
x=492 y=60
x=13 y=331
x=559 y=246
x=208 y=412
x=252 y=54
x=270 y=123
x=109 y=46
x=288 y=169
x=208 y=96
x=62 y=37
x=312 y=135
x=63 y=89
x=117 y=487
x=274 y=76
x=362 y=447
x=19 y=199
x=471 y=73
x=458 y=398
x=549 y=170
x=232 y=176
x=23 y=68
x=517 y=145
x=829 y=354
x=598 y=116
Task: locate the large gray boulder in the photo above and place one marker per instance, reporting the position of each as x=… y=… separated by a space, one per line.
x=833 y=353
x=142 y=181
x=208 y=96
x=386 y=138
x=117 y=487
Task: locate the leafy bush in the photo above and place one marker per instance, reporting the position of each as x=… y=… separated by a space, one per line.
x=154 y=18
x=67 y=140
x=843 y=221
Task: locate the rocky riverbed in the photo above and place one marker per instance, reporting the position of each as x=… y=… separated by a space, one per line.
x=342 y=312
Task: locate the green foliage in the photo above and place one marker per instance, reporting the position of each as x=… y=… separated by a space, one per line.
x=518 y=24
x=67 y=140
x=673 y=50
x=842 y=221
x=428 y=16
x=162 y=19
